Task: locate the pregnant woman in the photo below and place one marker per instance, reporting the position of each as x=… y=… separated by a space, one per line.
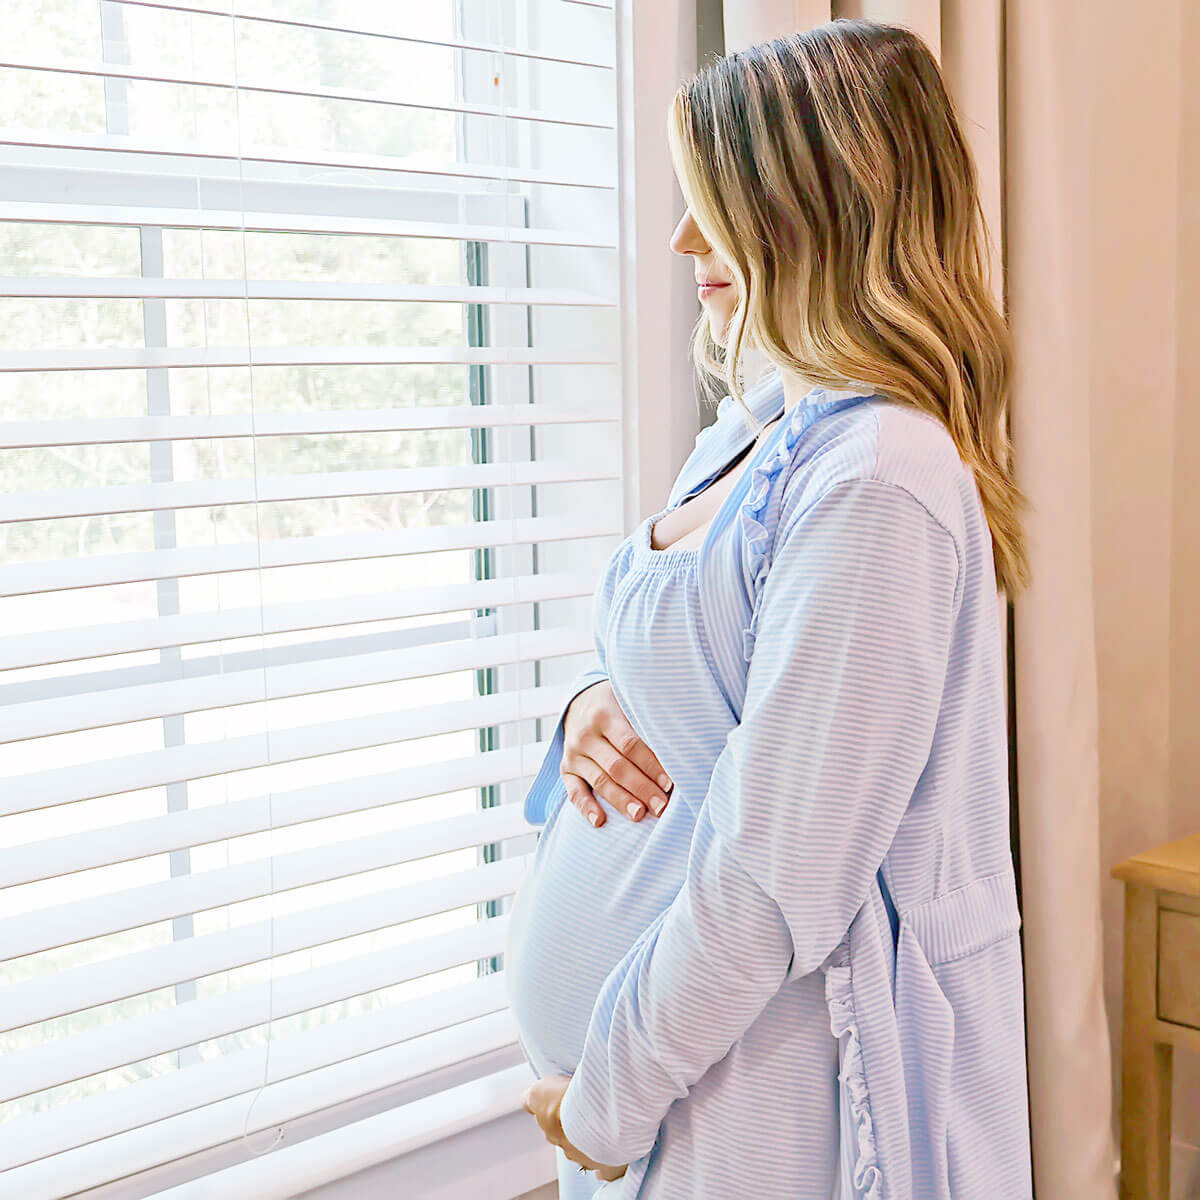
x=796 y=975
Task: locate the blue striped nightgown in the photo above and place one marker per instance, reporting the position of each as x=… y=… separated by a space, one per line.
x=803 y=981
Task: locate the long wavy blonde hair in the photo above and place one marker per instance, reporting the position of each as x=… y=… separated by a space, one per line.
x=828 y=171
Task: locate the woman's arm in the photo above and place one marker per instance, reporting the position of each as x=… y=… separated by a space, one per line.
x=843 y=694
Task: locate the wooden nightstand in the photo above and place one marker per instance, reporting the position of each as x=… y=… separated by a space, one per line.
x=1162 y=1004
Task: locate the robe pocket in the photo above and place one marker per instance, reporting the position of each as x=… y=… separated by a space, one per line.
x=960 y=1011
x=966 y=920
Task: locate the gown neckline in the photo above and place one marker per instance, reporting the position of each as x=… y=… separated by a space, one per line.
x=643 y=547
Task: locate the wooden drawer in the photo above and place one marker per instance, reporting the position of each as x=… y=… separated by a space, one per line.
x=1179 y=967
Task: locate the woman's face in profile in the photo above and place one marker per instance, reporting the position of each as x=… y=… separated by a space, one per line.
x=715 y=285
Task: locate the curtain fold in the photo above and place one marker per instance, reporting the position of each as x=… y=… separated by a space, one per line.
x=1046 y=181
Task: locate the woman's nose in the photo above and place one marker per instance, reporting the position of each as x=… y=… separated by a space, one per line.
x=687 y=238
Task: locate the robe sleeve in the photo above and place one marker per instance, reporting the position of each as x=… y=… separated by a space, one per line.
x=843 y=693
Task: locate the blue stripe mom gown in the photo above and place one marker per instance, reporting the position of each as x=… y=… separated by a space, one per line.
x=802 y=982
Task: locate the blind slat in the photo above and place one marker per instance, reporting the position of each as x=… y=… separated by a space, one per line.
x=99 y=710
x=84 y=432
x=278 y=489
x=21 y=579
x=79 y=988
x=129 y=637
x=141 y=288
x=191 y=827
x=144 y=359
x=243 y=11
x=129 y=1135
x=115 y=912
x=284 y=222
x=375 y=1140
x=108 y=70
x=107 y=1047
x=109 y=143
x=153 y=768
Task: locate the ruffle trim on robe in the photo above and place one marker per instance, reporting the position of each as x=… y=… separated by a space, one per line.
x=758 y=537
x=759 y=542
x=868 y=1178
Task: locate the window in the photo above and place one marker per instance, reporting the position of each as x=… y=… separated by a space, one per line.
x=310 y=443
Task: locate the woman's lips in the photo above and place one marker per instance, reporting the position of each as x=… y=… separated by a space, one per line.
x=707 y=289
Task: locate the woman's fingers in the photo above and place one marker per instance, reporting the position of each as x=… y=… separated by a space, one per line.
x=636 y=787
x=621 y=736
x=543 y=1098
x=602 y=750
x=603 y=785
x=580 y=795
x=641 y=773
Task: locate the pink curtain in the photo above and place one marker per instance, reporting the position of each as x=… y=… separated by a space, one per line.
x=1046 y=181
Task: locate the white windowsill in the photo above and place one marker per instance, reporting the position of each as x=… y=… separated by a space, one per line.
x=501 y=1160
x=470 y=1142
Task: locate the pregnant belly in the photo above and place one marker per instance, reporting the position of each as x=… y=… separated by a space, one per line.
x=587 y=896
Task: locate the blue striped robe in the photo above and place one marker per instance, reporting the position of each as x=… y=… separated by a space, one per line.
x=838 y=838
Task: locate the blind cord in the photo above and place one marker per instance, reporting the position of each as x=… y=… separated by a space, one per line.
x=237 y=109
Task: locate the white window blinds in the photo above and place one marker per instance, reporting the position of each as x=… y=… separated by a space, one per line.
x=310 y=434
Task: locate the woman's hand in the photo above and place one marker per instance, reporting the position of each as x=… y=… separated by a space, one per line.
x=602 y=756
x=544 y=1099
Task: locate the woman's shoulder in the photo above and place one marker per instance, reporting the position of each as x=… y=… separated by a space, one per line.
x=879 y=448
x=882 y=443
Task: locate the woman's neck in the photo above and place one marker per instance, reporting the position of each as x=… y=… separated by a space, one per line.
x=796 y=387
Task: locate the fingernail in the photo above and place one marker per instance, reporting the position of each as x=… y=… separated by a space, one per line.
x=658 y=807
x=634 y=809
x=594 y=817
x=665 y=783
